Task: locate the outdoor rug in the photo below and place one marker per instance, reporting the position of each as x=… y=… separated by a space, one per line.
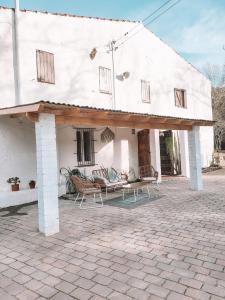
x=12 y=211
x=129 y=201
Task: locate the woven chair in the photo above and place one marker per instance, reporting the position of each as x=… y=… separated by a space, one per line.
x=148 y=173
x=86 y=188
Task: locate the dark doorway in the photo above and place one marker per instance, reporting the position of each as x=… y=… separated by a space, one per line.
x=166 y=163
x=170 y=153
x=144 y=149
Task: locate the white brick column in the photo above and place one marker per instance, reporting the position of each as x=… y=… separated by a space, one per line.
x=185 y=167
x=195 y=158
x=47 y=177
x=155 y=151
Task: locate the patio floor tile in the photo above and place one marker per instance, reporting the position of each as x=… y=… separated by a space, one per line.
x=172 y=249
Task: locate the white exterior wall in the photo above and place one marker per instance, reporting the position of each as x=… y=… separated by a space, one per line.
x=122 y=153
x=71 y=40
x=18 y=154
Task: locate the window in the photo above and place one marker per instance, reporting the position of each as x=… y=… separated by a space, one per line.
x=180 y=98
x=145 y=91
x=105 y=80
x=85 y=146
x=45 y=67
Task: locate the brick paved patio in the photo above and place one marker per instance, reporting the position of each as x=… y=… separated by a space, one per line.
x=172 y=248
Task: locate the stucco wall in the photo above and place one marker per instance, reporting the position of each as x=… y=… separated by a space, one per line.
x=18 y=151
x=71 y=40
x=121 y=153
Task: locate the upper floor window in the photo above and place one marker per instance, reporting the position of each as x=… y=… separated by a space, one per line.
x=105 y=80
x=180 y=98
x=45 y=67
x=85 y=147
x=145 y=91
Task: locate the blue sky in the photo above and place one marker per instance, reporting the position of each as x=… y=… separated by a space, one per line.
x=195 y=28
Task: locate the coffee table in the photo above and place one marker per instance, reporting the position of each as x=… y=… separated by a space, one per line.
x=136 y=187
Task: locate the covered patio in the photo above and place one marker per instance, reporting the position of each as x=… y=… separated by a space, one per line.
x=172 y=248
x=46 y=115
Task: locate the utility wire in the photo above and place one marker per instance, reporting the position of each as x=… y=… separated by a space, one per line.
x=148 y=23
x=145 y=19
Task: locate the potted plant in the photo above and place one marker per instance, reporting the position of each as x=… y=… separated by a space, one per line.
x=14 y=181
x=32 y=184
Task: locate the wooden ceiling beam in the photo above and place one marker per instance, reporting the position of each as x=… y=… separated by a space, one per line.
x=116 y=123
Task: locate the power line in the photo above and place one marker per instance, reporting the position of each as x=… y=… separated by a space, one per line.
x=148 y=23
x=145 y=19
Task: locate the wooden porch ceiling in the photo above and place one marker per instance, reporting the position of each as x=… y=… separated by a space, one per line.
x=88 y=116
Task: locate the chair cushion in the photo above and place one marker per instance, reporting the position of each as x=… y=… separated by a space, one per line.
x=113 y=176
x=91 y=191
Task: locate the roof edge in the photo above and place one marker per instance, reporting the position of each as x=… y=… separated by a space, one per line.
x=71 y=15
x=35 y=106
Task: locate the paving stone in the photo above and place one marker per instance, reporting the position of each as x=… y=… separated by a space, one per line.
x=118 y=296
x=102 y=279
x=138 y=294
x=33 y=285
x=62 y=296
x=137 y=283
x=158 y=290
x=81 y=294
x=65 y=287
x=176 y=296
x=84 y=283
x=118 y=286
x=218 y=291
x=101 y=290
x=197 y=294
x=174 y=286
x=47 y=291
x=197 y=284
x=27 y=295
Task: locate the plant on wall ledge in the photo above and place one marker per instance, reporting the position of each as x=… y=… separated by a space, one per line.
x=173 y=149
x=32 y=184
x=14 y=181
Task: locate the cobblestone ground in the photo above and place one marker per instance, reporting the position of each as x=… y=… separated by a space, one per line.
x=172 y=248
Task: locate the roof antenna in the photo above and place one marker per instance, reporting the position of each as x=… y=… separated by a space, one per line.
x=16 y=56
x=17 y=5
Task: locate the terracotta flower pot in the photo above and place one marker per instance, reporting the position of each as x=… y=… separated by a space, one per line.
x=32 y=185
x=15 y=187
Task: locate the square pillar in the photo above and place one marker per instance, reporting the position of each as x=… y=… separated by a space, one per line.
x=195 y=158
x=47 y=174
x=155 y=151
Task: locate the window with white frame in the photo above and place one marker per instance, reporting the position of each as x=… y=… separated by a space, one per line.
x=145 y=91
x=105 y=80
x=85 y=146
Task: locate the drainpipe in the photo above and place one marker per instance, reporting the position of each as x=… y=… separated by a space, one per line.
x=16 y=57
x=112 y=49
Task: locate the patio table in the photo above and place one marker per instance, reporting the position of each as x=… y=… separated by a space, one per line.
x=135 y=187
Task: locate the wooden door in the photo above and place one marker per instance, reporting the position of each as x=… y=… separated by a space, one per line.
x=144 y=148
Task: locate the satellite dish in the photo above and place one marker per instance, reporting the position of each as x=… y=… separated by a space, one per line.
x=126 y=75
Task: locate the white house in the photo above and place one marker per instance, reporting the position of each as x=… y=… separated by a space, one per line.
x=63 y=72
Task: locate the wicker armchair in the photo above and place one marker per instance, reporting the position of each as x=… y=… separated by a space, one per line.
x=85 y=188
x=148 y=173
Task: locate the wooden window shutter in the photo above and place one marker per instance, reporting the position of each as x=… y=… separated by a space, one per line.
x=145 y=91
x=180 y=98
x=45 y=67
x=105 y=80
